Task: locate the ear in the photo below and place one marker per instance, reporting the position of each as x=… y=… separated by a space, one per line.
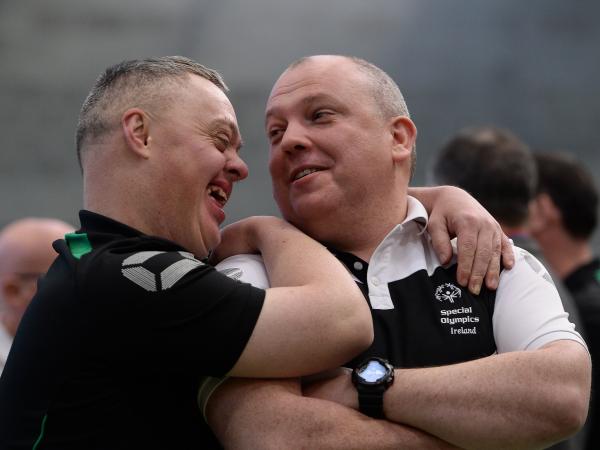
x=136 y=131
x=542 y=213
x=404 y=135
x=548 y=208
x=11 y=290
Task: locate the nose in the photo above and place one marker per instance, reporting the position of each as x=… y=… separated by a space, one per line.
x=294 y=138
x=236 y=167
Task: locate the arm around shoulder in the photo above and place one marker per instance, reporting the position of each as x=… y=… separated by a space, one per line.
x=313 y=318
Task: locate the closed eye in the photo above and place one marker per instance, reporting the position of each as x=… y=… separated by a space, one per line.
x=223 y=142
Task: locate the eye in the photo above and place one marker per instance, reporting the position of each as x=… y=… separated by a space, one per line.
x=223 y=142
x=274 y=133
x=321 y=114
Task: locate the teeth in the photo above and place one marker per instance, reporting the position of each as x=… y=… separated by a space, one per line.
x=218 y=193
x=303 y=173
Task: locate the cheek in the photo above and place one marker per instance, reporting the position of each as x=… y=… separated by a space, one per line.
x=276 y=170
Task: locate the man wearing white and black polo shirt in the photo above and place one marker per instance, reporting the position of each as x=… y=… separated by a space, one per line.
x=483 y=370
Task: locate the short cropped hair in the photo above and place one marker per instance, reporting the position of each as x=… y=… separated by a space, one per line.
x=386 y=93
x=134 y=83
x=494 y=166
x=571 y=187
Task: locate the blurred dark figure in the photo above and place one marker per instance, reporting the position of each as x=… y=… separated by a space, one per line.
x=499 y=170
x=564 y=216
x=25 y=254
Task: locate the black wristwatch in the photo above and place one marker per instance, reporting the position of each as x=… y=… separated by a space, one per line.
x=372 y=378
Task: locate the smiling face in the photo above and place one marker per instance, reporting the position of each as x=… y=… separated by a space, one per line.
x=197 y=141
x=332 y=153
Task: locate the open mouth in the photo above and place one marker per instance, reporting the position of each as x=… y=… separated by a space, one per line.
x=217 y=193
x=304 y=173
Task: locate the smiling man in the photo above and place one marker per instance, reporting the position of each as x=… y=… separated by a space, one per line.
x=481 y=370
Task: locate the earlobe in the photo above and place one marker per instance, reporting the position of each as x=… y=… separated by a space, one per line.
x=404 y=135
x=135 y=125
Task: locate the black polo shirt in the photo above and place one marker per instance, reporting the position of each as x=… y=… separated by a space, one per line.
x=428 y=319
x=111 y=349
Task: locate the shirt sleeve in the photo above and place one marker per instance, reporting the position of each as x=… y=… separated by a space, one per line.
x=528 y=312
x=247 y=268
x=170 y=314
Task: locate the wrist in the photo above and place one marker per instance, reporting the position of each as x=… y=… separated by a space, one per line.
x=372 y=378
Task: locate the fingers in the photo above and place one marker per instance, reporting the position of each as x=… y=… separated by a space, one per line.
x=440 y=239
x=508 y=255
x=466 y=245
x=478 y=255
x=493 y=271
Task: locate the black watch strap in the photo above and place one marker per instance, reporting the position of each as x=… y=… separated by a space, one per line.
x=371 y=403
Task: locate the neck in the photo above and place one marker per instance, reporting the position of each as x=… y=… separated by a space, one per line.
x=563 y=253
x=359 y=234
x=116 y=194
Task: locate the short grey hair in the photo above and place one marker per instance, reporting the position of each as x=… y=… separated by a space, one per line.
x=386 y=94
x=132 y=83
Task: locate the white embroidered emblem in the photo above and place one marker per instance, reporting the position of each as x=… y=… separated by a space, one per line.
x=447 y=292
x=134 y=270
x=233 y=272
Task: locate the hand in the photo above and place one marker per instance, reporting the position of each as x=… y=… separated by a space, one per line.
x=481 y=244
x=338 y=389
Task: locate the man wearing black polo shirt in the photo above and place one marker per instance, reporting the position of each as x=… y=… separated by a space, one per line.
x=129 y=316
x=472 y=370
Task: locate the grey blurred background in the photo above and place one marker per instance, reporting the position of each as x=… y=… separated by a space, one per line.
x=529 y=66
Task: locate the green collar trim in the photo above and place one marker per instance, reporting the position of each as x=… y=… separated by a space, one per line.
x=78 y=243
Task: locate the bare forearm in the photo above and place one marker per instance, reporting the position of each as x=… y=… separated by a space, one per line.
x=267 y=414
x=513 y=400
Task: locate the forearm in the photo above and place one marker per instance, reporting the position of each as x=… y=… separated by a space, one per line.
x=512 y=400
x=304 y=271
x=273 y=414
x=294 y=334
x=425 y=195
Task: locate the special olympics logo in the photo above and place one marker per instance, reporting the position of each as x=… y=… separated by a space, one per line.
x=447 y=292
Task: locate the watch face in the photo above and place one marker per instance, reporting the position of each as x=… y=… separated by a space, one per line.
x=373 y=371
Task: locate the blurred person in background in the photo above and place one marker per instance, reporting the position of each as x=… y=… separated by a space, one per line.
x=499 y=170
x=564 y=216
x=25 y=254
x=476 y=368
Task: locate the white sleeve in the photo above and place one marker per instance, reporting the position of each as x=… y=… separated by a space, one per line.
x=528 y=312
x=246 y=268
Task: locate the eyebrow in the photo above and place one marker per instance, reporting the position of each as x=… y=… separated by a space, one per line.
x=305 y=101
